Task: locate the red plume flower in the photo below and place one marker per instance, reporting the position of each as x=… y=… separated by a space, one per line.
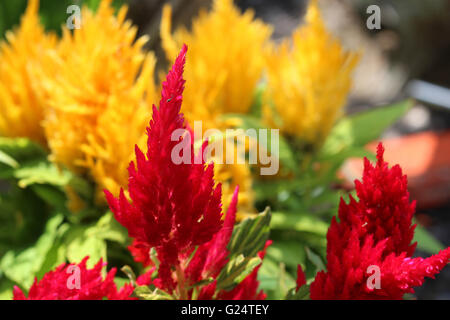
x=174 y=207
x=383 y=209
x=57 y=284
x=373 y=239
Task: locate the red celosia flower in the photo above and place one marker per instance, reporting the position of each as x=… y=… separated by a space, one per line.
x=374 y=235
x=383 y=209
x=174 y=207
x=58 y=285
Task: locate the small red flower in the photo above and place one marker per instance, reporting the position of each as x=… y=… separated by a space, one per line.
x=57 y=284
x=374 y=234
x=301 y=278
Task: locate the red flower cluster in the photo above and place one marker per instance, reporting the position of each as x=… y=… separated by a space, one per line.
x=176 y=208
x=374 y=233
x=58 y=284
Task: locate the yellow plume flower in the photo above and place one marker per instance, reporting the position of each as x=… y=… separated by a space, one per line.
x=225 y=63
x=21 y=104
x=225 y=60
x=308 y=80
x=98 y=98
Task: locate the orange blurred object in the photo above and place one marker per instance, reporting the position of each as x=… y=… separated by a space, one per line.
x=424 y=158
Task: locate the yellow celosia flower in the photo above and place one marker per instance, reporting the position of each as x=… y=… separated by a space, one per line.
x=98 y=98
x=308 y=80
x=225 y=60
x=21 y=104
x=225 y=63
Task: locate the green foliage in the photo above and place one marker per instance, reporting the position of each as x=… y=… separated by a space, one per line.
x=37 y=232
x=353 y=132
x=301 y=294
x=426 y=241
x=53 y=12
x=248 y=238
x=21 y=265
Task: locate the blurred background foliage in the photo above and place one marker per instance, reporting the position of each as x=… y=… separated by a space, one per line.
x=53 y=13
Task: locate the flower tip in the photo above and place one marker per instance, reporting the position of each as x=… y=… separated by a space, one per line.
x=301 y=278
x=380 y=153
x=181 y=59
x=184 y=49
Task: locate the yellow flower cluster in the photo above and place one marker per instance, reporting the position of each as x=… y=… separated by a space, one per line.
x=21 y=103
x=225 y=57
x=97 y=104
x=226 y=62
x=309 y=79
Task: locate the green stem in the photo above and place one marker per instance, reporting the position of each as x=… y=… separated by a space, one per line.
x=181 y=283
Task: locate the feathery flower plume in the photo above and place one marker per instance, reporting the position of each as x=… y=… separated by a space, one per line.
x=375 y=233
x=220 y=38
x=176 y=208
x=98 y=97
x=61 y=284
x=308 y=80
x=22 y=104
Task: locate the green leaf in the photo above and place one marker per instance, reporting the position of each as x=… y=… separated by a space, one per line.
x=8 y=160
x=21 y=149
x=21 y=266
x=82 y=241
x=286 y=251
x=200 y=283
x=6 y=288
x=298 y=221
x=235 y=271
x=315 y=259
x=248 y=238
x=274 y=279
x=41 y=172
x=56 y=254
x=108 y=228
x=51 y=195
x=359 y=129
x=145 y=293
x=426 y=241
x=130 y=274
x=250 y=235
x=301 y=294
